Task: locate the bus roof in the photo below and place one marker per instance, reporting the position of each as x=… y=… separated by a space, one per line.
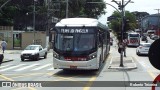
x=72 y=22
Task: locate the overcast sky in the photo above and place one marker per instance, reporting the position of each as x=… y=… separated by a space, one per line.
x=138 y=5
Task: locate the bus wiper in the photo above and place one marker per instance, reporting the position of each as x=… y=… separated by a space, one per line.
x=68 y=47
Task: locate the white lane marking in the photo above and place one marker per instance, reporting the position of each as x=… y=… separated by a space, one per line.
x=3 y=66
x=26 y=67
x=12 y=67
x=51 y=68
x=41 y=67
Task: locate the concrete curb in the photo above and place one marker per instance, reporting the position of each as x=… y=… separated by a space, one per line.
x=128 y=63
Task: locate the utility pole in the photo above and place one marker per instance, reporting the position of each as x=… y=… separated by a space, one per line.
x=34 y=16
x=122 y=6
x=158 y=10
x=66 y=8
x=47 y=29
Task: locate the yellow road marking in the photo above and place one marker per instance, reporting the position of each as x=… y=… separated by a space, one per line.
x=63 y=78
x=6 y=78
x=148 y=71
x=89 y=84
x=25 y=75
x=22 y=88
x=151 y=74
x=10 y=79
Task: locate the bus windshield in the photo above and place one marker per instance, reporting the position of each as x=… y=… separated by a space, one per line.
x=74 y=42
x=133 y=35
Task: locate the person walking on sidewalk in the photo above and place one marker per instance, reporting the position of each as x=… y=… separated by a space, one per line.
x=3 y=45
x=121 y=47
x=1 y=55
x=124 y=45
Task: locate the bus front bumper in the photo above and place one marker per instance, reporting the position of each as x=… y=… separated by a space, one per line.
x=76 y=65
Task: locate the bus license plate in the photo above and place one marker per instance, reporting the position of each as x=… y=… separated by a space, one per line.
x=26 y=56
x=73 y=67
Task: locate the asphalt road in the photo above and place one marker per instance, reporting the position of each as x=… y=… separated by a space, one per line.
x=42 y=70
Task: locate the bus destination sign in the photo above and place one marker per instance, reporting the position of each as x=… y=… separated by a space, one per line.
x=74 y=30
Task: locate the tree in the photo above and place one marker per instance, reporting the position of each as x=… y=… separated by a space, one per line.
x=20 y=12
x=7 y=13
x=140 y=15
x=83 y=8
x=94 y=10
x=130 y=22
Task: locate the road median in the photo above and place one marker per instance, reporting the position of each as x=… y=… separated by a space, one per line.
x=128 y=63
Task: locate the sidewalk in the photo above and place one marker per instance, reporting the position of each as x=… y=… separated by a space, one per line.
x=13 y=51
x=128 y=63
x=7 y=57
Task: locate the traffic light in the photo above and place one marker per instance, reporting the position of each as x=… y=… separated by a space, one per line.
x=119 y=7
x=126 y=25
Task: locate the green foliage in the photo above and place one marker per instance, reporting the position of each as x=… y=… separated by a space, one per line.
x=7 y=13
x=20 y=12
x=94 y=9
x=116 y=23
x=83 y=8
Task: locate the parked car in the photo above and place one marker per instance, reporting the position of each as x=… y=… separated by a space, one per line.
x=149 y=32
x=143 y=49
x=151 y=36
x=155 y=37
x=33 y=52
x=144 y=38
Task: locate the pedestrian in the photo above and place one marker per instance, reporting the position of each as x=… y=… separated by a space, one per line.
x=3 y=45
x=122 y=47
x=1 y=55
x=125 y=44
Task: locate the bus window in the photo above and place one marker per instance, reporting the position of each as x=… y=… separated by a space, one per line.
x=76 y=42
x=134 y=35
x=84 y=42
x=64 y=42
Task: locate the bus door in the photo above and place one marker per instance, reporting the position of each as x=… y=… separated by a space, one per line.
x=100 y=46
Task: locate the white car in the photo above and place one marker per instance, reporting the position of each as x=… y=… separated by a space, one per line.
x=143 y=49
x=33 y=52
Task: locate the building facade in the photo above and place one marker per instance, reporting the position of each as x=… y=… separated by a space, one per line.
x=6 y=33
x=151 y=22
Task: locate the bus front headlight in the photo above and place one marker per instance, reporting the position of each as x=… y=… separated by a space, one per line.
x=55 y=55
x=93 y=55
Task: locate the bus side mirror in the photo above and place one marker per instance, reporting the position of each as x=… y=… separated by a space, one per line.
x=154 y=54
x=100 y=45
